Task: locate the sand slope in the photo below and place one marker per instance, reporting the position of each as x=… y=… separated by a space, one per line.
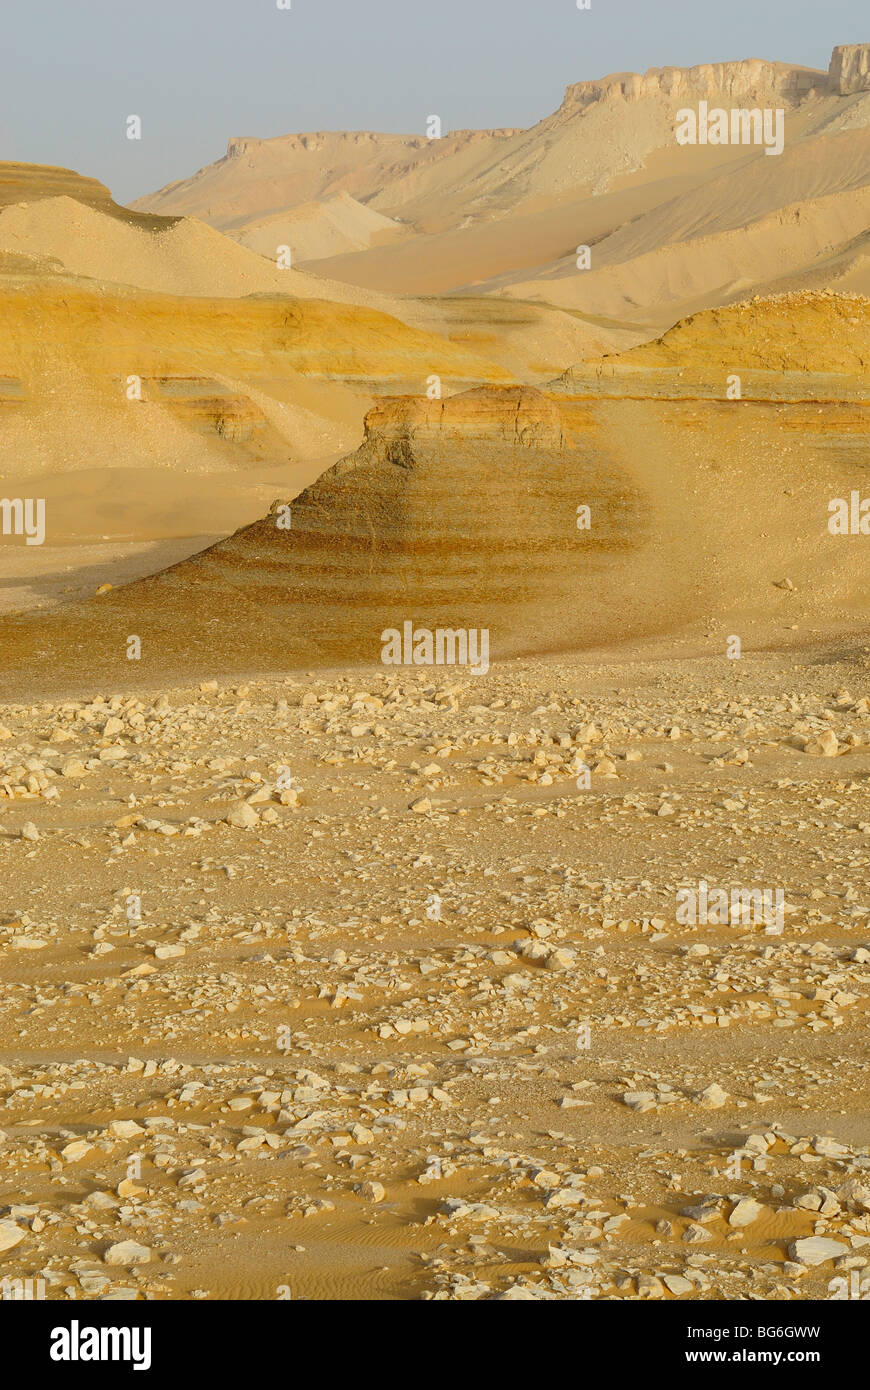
x=692 y=253
x=171 y=256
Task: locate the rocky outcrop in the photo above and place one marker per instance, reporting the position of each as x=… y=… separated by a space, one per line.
x=459 y=514
x=812 y=331
x=749 y=80
x=313 y=141
x=813 y=345
x=32 y=183
x=850 y=69
x=485 y=512
x=516 y=416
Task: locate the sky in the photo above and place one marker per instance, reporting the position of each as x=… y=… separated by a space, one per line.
x=200 y=71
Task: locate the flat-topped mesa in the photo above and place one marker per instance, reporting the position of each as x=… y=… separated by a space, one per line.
x=749 y=80
x=518 y=416
x=313 y=140
x=849 y=71
x=309 y=140
x=505 y=132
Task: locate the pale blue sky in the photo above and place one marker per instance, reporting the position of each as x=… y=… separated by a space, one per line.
x=199 y=71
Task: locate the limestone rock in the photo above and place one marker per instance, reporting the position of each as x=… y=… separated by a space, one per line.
x=11 y=1234
x=243 y=816
x=127 y=1252
x=815 y=1250
x=745 y=1212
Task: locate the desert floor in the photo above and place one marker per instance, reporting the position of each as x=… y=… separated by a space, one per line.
x=418 y=1020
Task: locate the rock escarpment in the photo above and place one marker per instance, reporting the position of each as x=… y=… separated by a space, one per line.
x=850 y=69
x=747 y=80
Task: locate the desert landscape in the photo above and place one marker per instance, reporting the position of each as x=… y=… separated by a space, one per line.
x=435 y=710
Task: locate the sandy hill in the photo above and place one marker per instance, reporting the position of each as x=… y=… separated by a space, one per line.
x=181 y=256
x=246 y=393
x=796 y=346
x=604 y=130
x=252 y=379
x=225 y=384
x=462 y=513
x=67 y=226
x=801 y=332
x=117 y=332
x=259 y=178
x=28 y=183
x=317 y=230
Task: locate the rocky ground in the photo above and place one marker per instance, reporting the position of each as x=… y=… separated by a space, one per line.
x=348 y=987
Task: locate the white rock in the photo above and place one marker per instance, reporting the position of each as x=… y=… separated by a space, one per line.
x=745 y=1212
x=815 y=1250
x=695 y=1234
x=640 y=1100
x=127 y=1252
x=677 y=1285
x=125 y=1129
x=243 y=816
x=825 y=746
x=11 y=1234
x=75 y=1151
x=712 y=1097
